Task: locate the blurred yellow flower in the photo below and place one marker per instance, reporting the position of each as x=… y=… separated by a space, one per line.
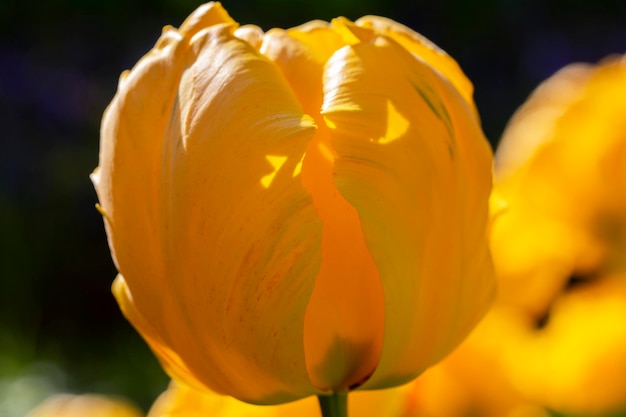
x=296 y=212
x=560 y=246
x=91 y=405
x=181 y=401
x=471 y=381
x=556 y=336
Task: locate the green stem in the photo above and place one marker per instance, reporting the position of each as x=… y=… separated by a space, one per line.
x=334 y=405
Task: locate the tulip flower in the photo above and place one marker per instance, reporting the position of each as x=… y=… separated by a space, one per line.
x=472 y=380
x=298 y=212
x=559 y=247
x=92 y=405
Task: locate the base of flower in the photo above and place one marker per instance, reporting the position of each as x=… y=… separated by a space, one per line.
x=334 y=405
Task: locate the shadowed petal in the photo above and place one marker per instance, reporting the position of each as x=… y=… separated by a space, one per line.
x=344 y=319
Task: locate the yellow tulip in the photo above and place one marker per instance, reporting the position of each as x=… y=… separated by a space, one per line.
x=182 y=401
x=472 y=380
x=559 y=247
x=92 y=405
x=297 y=212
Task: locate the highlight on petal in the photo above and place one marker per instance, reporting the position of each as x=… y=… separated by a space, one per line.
x=251 y=34
x=277 y=161
x=320 y=38
x=412 y=189
x=207 y=15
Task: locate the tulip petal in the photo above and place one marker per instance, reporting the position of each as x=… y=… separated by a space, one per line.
x=423 y=49
x=237 y=204
x=301 y=53
x=127 y=180
x=413 y=162
x=209 y=201
x=169 y=360
x=559 y=184
x=298 y=66
x=321 y=39
x=133 y=132
x=206 y=15
x=581 y=350
x=344 y=319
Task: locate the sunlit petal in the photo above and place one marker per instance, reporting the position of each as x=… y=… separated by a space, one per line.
x=409 y=182
x=423 y=49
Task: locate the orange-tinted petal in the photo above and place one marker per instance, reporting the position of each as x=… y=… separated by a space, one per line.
x=320 y=37
x=413 y=162
x=300 y=67
x=345 y=316
x=128 y=178
x=171 y=362
x=237 y=204
x=134 y=135
x=343 y=328
x=220 y=244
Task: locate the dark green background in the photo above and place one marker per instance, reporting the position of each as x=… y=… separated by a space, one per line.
x=59 y=65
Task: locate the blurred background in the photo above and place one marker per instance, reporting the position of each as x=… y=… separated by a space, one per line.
x=60 y=328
